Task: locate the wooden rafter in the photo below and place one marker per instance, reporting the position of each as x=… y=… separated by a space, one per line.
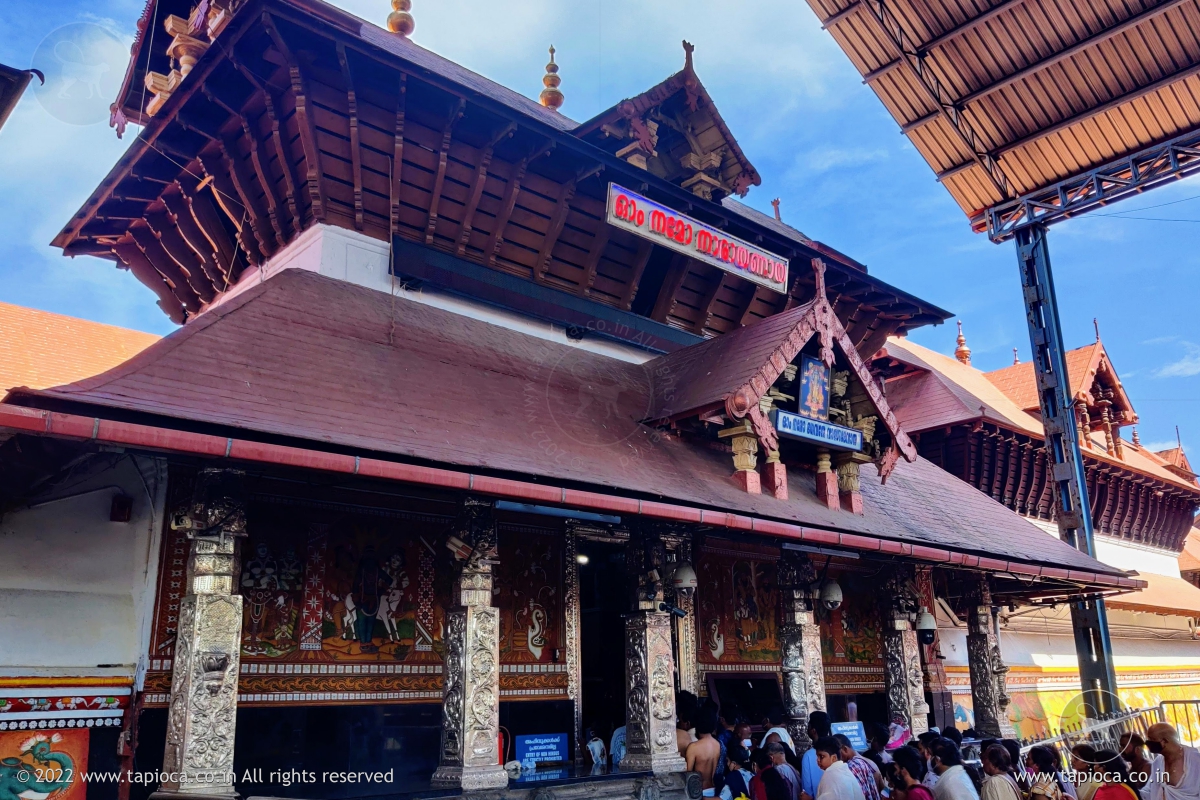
x=272 y=107
x=743 y=312
x=667 y=298
x=355 y=148
x=588 y=279
x=207 y=218
x=709 y=302
x=180 y=215
x=136 y=262
x=640 y=259
x=304 y=119
x=439 y=178
x=152 y=248
x=190 y=263
x=398 y=155
x=257 y=161
x=225 y=195
x=245 y=193
x=510 y=201
x=481 y=173
x=557 y=220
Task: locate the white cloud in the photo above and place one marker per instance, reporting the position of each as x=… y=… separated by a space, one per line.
x=1184 y=367
x=823 y=159
x=1158 y=447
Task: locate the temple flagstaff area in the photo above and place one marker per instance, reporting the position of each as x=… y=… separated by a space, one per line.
x=495 y=453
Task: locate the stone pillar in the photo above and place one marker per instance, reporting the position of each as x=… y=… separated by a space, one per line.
x=800 y=642
x=936 y=690
x=649 y=664
x=988 y=694
x=470 y=758
x=203 y=703
x=902 y=679
x=650 y=695
x=685 y=628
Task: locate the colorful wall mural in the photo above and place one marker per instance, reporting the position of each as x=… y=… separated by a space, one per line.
x=44 y=764
x=737 y=606
x=851 y=638
x=349 y=606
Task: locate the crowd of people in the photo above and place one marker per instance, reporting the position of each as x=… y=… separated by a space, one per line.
x=734 y=766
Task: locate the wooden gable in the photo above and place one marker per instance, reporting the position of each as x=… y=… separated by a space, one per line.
x=675 y=132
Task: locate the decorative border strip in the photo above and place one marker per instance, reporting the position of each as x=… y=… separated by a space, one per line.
x=530 y=668
x=253 y=668
x=107 y=720
x=740 y=667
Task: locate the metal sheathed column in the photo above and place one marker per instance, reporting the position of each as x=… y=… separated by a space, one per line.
x=1088 y=617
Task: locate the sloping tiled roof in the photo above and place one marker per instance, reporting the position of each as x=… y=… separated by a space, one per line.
x=318 y=360
x=40 y=349
x=951 y=392
x=1163 y=594
x=1189 y=559
x=1019 y=383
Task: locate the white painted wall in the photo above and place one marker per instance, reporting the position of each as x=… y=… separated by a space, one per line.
x=77 y=590
x=356 y=258
x=1126 y=555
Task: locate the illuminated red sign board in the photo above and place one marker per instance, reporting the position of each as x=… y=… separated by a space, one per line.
x=669 y=228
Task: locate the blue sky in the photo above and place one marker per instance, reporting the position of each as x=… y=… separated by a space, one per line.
x=821 y=140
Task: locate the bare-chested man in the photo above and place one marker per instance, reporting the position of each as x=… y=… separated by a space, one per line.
x=703 y=754
x=1177 y=766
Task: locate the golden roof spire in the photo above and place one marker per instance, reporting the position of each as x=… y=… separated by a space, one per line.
x=962 y=352
x=1136 y=441
x=400 y=21
x=551 y=97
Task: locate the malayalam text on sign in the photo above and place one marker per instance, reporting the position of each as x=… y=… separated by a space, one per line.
x=667 y=227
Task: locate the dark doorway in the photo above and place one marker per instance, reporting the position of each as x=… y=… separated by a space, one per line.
x=602 y=602
x=867 y=707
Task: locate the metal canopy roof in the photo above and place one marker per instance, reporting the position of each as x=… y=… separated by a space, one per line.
x=1033 y=110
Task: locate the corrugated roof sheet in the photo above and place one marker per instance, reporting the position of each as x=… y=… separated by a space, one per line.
x=1051 y=88
x=324 y=361
x=40 y=349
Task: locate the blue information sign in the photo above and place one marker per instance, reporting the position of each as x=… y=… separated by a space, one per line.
x=837 y=437
x=541 y=748
x=854 y=732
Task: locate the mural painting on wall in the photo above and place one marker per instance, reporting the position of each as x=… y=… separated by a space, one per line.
x=852 y=633
x=738 y=614
x=45 y=765
x=530 y=597
x=348 y=588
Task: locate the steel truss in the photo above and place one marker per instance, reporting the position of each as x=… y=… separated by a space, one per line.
x=1114 y=181
x=1088 y=616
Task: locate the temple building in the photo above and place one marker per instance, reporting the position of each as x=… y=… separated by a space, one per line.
x=484 y=428
x=983 y=428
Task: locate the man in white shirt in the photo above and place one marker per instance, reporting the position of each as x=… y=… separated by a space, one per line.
x=953 y=781
x=837 y=781
x=1176 y=772
x=777 y=732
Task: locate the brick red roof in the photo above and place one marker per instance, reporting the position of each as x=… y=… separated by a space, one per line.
x=1020 y=385
x=327 y=362
x=40 y=349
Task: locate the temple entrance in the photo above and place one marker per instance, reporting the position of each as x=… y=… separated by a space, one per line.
x=602 y=602
x=865 y=707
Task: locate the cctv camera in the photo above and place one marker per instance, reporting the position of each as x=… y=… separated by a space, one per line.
x=831 y=595
x=683 y=580
x=926 y=627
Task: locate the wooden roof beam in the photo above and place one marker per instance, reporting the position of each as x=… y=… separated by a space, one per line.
x=355 y=148
x=162 y=262
x=225 y=195
x=190 y=263
x=566 y=193
x=133 y=259
x=439 y=179
x=272 y=106
x=709 y=301
x=481 y=173
x=180 y=211
x=304 y=119
x=207 y=218
x=599 y=243
x=667 y=298
x=640 y=259
x=496 y=239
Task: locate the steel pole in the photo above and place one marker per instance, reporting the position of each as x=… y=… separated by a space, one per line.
x=1073 y=511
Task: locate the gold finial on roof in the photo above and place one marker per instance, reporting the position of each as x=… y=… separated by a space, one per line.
x=400 y=20
x=1136 y=441
x=775 y=205
x=962 y=352
x=1016 y=358
x=551 y=97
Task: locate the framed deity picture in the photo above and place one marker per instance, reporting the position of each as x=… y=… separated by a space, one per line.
x=814 y=389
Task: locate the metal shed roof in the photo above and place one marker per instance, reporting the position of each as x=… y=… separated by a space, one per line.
x=1033 y=108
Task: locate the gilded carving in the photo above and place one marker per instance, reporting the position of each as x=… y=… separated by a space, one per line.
x=572 y=632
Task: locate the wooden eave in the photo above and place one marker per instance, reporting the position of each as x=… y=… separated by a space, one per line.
x=220 y=118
